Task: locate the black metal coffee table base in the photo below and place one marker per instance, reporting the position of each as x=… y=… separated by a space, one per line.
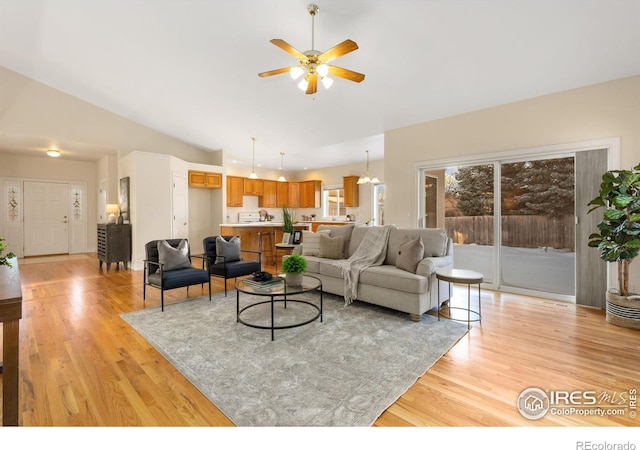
x=284 y=301
x=279 y=294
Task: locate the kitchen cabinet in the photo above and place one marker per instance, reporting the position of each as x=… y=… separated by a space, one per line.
x=253 y=187
x=235 y=190
x=269 y=195
x=294 y=194
x=351 y=191
x=114 y=244
x=210 y=180
x=282 y=194
x=310 y=194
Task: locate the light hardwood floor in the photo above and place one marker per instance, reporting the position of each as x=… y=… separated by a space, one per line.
x=82 y=365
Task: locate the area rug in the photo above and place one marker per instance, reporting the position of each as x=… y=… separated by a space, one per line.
x=343 y=371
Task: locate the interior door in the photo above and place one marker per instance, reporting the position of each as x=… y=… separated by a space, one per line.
x=180 y=228
x=46 y=218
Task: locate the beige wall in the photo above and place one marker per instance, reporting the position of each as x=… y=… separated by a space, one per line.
x=604 y=110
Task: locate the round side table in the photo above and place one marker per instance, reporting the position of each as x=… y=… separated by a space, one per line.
x=460 y=276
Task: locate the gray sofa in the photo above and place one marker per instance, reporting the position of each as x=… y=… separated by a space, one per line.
x=387 y=285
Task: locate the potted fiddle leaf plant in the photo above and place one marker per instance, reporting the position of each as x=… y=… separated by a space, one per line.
x=618 y=239
x=294 y=266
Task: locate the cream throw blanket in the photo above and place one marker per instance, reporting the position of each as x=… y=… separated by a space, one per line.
x=371 y=252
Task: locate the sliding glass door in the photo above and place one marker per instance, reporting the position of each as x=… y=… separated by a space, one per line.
x=512 y=221
x=469 y=217
x=537 y=222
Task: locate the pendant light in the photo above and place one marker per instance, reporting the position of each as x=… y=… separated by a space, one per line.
x=366 y=178
x=253 y=164
x=281 y=177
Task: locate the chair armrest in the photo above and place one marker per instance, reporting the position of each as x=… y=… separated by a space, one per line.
x=297 y=250
x=147 y=262
x=204 y=258
x=429 y=265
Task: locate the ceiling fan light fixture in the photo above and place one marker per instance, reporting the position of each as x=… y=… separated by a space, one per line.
x=323 y=70
x=296 y=72
x=326 y=82
x=314 y=64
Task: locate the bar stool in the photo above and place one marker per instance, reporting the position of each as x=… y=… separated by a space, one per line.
x=265 y=243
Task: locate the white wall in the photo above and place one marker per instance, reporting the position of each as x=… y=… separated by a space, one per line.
x=604 y=110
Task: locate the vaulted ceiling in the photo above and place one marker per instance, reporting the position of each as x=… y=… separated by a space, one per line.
x=189 y=68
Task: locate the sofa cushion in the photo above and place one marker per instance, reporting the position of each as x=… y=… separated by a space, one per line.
x=331 y=247
x=435 y=242
x=390 y=277
x=174 y=258
x=410 y=254
x=340 y=230
x=311 y=242
x=227 y=251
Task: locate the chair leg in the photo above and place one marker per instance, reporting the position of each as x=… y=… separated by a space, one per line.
x=161 y=299
x=209 y=289
x=225 y=287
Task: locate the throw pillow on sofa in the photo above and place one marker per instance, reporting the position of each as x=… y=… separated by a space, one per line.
x=173 y=258
x=229 y=249
x=331 y=247
x=311 y=242
x=410 y=254
x=340 y=230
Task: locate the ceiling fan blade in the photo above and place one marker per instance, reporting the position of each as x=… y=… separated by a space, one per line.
x=312 y=87
x=274 y=72
x=346 y=73
x=337 y=51
x=288 y=48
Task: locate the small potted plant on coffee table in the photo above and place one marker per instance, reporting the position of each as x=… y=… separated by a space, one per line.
x=294 y=266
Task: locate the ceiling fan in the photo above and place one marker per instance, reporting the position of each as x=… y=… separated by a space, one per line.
x=314 y=64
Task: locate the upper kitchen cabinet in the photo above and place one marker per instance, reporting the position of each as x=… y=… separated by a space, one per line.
x=351 y=191
x=235 y=190
x=282 y=195
x=294 y=194
x=310 y=194
x=210 y=180
x=269 y=194
x=253 y=187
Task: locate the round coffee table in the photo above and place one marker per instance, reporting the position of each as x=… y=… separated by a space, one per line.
x=278 y=293
x=460 y=276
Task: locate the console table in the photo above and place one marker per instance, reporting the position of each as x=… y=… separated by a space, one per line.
x=10 y=315
x=114 y=244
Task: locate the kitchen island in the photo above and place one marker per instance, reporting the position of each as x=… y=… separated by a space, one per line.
x=250 y=237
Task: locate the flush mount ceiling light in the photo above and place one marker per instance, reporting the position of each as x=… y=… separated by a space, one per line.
x=53 y=152
x=314 y=64
x=281 y=177
x=366 y=178
x=253 y=164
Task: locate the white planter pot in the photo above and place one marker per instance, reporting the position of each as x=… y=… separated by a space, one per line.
x=294 y=279
x=623 y=311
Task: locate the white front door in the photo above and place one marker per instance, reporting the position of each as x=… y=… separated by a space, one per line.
x=46 y=218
